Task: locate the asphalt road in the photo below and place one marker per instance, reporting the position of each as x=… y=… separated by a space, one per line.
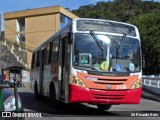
x=148 y=104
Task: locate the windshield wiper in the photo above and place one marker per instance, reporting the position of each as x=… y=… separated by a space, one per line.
x=96 y=40
x=121 y=44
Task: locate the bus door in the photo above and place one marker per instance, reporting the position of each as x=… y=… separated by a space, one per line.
x=42 y=70
x=65 y=68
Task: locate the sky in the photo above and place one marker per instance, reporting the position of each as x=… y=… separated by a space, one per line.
x=17 y=5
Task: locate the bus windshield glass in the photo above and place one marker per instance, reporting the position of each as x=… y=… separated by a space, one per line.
x=105 y=26
x=88 y=54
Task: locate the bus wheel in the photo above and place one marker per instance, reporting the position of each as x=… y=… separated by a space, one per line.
x=36 y=95
x=52 y=97
x=103 y=107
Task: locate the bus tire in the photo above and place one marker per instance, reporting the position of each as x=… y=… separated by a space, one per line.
x=36 y=95
x=52 y=97
x=103 y=107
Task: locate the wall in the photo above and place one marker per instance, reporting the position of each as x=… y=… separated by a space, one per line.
x=40 y=24
x=152 y=83
x=10 y=30
x=38 y=29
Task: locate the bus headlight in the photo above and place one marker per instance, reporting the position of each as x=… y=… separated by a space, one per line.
x=80 y=84
x=9 y=104
x=74 y=81
x=137 y=84
x=77 y=81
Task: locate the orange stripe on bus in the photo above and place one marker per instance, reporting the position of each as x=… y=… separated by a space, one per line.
x=103 y=81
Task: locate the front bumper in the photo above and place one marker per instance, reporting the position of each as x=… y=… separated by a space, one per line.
x=88 y=95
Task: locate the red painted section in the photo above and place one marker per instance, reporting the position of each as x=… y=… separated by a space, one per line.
x=87 y=95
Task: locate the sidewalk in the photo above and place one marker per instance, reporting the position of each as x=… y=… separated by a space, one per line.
x=149 y=95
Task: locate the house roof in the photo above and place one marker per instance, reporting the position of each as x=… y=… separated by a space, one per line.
x=38 y=12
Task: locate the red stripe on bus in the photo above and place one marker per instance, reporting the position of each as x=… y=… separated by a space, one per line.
x=86 y=95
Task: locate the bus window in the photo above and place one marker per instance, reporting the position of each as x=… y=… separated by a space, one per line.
x=33 y=60
x=38 y=59
x=47 y=54
x=55 y=50
x=50 y=52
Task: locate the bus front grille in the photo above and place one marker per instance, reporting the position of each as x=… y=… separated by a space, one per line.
x=111 y=81
x=108 y=95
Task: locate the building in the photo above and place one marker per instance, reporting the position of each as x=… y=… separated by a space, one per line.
x=27 y=29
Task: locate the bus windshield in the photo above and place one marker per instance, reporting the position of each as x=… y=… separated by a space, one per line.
x=88 y=55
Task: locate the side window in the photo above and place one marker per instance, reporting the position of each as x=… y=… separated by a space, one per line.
x=55 y=50
x=43 y=53
x=47 y=54
x=38 y=59
x=50 y=52
x=62 y=18
x=33 y=60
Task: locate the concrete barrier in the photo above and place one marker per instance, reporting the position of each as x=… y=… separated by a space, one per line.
x=151 y=83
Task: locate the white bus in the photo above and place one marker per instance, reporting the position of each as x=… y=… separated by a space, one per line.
x=90 y=61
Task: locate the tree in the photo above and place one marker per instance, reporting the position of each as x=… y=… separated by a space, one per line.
x=119 y=10
x=149 y=27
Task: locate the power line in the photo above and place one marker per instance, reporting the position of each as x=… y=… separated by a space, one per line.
x=35 y=32
x=17 y=34
x=17 y=44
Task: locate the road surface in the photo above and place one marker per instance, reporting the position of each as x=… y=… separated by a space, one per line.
x=149 y=104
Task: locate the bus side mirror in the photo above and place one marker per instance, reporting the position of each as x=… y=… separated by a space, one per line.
x=70 y=37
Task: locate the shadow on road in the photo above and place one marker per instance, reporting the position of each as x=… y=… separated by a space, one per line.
x=150 y=96
x=43 y=105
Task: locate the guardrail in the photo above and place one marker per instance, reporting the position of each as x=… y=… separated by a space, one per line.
x=151 y=83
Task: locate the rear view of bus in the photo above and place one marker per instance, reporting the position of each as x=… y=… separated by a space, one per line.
x=105 y=63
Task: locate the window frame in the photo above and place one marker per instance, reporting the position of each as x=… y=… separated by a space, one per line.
x=54 y=50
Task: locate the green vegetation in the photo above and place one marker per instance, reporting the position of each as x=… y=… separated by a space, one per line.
x=149 y=27
x=144 y=14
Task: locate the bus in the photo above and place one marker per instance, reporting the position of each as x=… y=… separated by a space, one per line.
x=91 y=61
